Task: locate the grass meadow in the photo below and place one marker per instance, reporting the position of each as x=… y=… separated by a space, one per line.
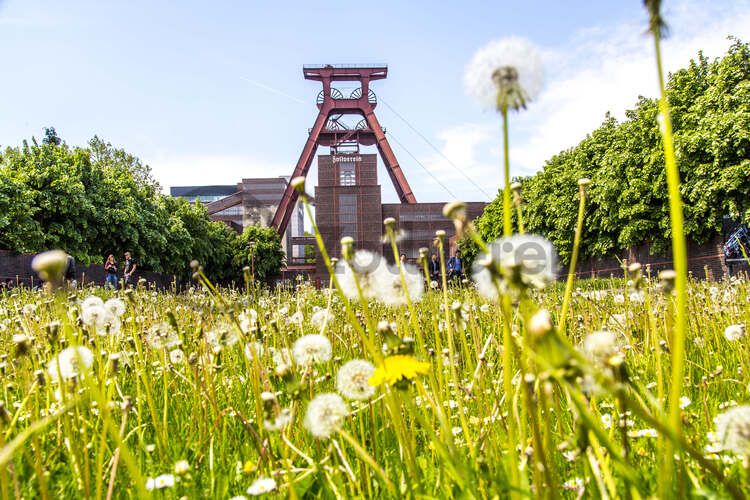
x=209 y=393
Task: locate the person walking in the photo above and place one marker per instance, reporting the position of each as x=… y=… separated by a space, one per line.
x=456 y=267
x=130 y=267
x=434 y=268
x=110 y=270
x=70 y=273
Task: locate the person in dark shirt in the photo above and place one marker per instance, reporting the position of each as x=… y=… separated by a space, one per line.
x=129 y=269
x=434 y=268
x=455 y=266
x=70 y=272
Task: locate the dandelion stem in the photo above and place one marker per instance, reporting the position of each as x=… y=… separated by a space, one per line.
x=679 y=257
x=507 y=227
x=368 y=459
x=573 y=260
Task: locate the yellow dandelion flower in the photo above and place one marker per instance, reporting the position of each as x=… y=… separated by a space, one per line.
x=396 y=368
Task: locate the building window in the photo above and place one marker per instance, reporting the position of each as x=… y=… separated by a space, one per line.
x=347 y=174
x=231 y=211
x=347 y=215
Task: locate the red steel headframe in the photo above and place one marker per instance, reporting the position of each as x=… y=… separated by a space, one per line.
x=360 y=104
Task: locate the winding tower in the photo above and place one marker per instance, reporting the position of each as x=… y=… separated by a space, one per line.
x=329 y=129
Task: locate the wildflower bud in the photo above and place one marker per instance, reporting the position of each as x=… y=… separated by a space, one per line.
x=455 y=210
x=298 y=183
x=39 y=377
x=194 y=264
x=440 y=234
x=50 y=266
x=114 y=363
x=423 y=251
x=583 y=184
x=347 y=247
x=540 y=323
x=4 y=414
x=53 y=327
x=193 y=359
x=509 y=94
x=515 y=187
x=667 y=279
x=22 y=344
x=389 y=222
x=127 y=404
x=334 y=261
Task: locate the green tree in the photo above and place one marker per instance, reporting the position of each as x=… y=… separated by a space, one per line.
x=269 y=256
x=99 y=200
x=710 y=104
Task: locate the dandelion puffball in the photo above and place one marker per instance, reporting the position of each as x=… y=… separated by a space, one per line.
x=733 y=430
x=68 y=363
x=325 y=414
x=311 y=349
x=734 y=332
x=352 y=378
x=516 y=53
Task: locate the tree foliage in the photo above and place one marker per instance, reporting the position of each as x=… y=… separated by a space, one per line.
x=628 y=201
x=259 y=247
x=98 y=200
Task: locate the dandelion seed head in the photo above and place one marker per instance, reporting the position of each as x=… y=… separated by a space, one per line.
x=352 y=380
x=311 y=349
x=325 y=414
x=176 y=356
x=516 y=53
x=321 y=317
x=91 y=301
x=600 y=346
x=221 y=337
x=389 y=288
x=50 y=265
x=733 y=430
x=366 y=268
x=734 y=332
x=70 y=361
x=116 y=307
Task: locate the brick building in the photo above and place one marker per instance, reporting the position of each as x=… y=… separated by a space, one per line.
x=249 y=202
x=348 y=203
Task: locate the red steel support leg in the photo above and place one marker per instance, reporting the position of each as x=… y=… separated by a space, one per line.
x=286 y=206
x=394 y=170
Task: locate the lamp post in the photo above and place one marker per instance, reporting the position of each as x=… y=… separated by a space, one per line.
x=252 y=261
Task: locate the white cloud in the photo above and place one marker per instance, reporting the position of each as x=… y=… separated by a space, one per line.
x=600 y=69
x=469 y=168
x=194 y=170
x=606 y=70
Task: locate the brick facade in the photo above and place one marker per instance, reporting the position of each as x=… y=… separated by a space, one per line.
x=705 y=261
x=348 y=203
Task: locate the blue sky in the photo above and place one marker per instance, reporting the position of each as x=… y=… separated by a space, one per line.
x=185 y=85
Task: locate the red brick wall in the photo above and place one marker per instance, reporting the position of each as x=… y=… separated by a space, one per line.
x=704 y=261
